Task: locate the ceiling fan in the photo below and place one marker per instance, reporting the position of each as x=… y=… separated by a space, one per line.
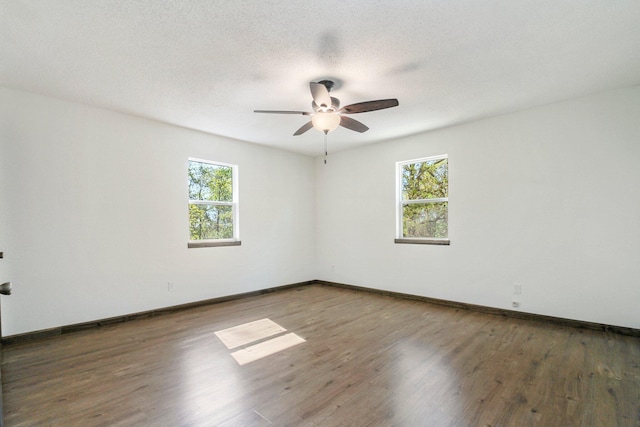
x=327 y=114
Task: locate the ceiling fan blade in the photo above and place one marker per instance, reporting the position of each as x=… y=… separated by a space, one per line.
x=349 y=123
x=304 y=113
x=304 y=128
x=363 y=107
x=320 y=94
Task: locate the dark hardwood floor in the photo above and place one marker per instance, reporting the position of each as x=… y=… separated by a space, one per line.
x=368 y=360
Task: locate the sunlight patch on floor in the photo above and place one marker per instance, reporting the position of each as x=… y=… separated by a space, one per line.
x=251 y=332
x=266 y=348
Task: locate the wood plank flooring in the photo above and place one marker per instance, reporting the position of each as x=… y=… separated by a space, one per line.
x=368 y=360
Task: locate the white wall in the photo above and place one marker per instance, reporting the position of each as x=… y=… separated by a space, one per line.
x=548 y=198
x=94 y=215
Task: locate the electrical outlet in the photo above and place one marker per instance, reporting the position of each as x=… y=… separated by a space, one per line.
x=170 y=287
x=515 y=304
x=517 y=289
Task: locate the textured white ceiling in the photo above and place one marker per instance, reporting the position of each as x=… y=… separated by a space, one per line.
x=207 y=64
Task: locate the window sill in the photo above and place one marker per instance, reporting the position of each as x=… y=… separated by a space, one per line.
x=424 y=241
x=213 y=244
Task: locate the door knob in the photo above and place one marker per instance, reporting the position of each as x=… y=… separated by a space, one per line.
x=5 y=288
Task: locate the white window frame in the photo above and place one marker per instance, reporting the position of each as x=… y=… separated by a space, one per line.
x=400 y=204
x=235 y=208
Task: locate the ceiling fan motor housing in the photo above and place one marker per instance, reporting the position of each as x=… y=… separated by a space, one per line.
x=335 y=105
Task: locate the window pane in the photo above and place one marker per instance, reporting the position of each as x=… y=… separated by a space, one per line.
x=425 y=220
x=210 y=222
x=210 y=182
x=425 y=180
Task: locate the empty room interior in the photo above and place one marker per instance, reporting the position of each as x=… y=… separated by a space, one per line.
x=338 y=213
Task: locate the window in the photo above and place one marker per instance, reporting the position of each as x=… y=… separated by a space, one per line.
x=213 y=204
x=423 y=201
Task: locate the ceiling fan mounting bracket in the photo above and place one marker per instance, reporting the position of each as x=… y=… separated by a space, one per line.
x=329 y=84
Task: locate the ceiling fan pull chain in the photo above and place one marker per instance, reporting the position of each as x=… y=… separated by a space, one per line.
x=325 y=147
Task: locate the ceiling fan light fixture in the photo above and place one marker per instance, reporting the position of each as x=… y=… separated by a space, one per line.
x=325 y=121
